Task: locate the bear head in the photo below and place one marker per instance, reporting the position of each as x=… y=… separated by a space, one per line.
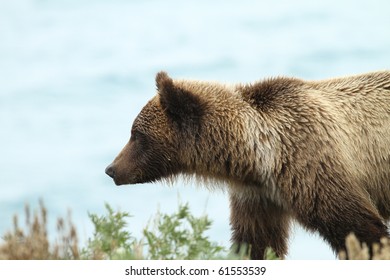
x=160 y=136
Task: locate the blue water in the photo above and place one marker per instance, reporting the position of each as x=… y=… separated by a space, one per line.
x=75 y=73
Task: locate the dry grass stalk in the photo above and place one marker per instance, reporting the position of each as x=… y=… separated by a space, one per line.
x=31 y=242
x=357 y=251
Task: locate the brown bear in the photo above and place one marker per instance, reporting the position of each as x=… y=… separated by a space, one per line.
x=317 y=152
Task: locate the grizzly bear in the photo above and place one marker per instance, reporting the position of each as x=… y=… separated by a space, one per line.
x=317 y=152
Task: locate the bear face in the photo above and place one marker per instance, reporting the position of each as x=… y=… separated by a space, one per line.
x=148 y=154
x=153 y=151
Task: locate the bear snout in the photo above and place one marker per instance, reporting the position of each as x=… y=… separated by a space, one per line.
x=117 y=175
x=110 y=171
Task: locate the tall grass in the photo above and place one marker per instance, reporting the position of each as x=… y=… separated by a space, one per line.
x=358 y=251
x=32 y=240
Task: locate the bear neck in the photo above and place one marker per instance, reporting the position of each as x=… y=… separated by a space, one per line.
x=233 y=145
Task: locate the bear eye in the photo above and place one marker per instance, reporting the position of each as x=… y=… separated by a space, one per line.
x=134 y=135
x=137 y=136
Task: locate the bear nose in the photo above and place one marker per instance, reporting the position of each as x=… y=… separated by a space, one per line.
x=110 y=171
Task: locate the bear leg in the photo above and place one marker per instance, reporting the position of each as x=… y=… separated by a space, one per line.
x=334 y=219
x=259 y=225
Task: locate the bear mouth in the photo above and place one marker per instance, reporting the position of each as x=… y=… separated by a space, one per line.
x=129 y=181
x=131 y=178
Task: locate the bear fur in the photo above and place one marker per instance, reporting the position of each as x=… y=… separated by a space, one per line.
x=317 y=152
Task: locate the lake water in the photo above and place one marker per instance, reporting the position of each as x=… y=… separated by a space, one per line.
x=75 y=73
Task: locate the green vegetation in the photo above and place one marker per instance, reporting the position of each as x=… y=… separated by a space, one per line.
x=180 y=235
x=167 y=237
x=110 y=239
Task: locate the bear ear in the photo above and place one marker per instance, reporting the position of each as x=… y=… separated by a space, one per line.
x=163 y=81
x=181 y=105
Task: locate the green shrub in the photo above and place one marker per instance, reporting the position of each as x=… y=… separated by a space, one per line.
x=110 y=239
x=180 y=236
